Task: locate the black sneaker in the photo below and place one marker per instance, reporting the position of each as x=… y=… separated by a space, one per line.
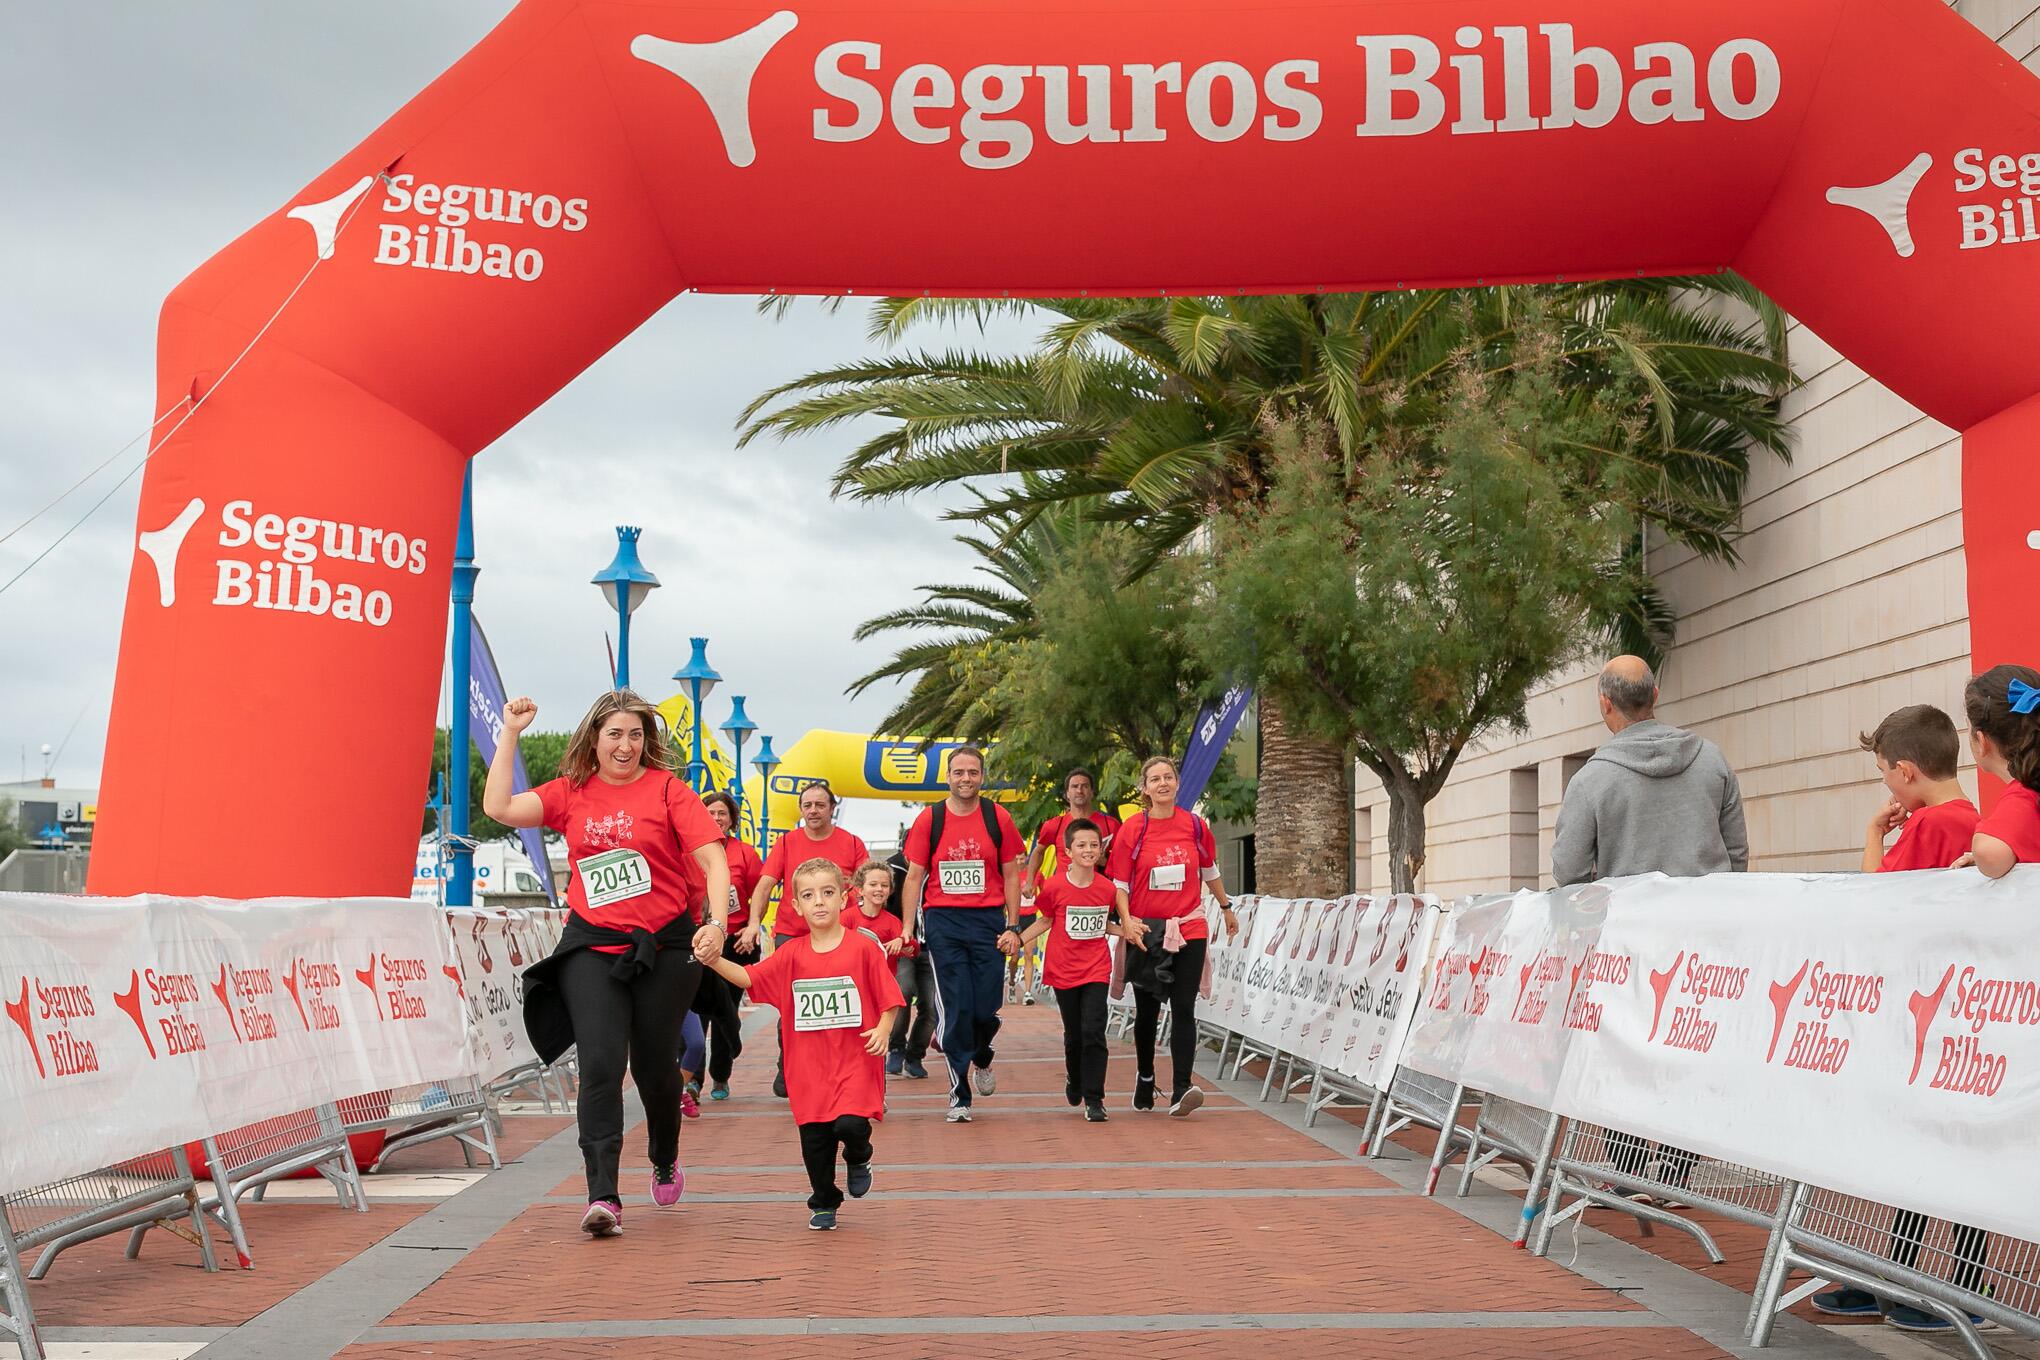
x=1908 y=1318
x=915 y=1069
x=1845 y=1303
x=859 y=1180
x=822 y=1220
x=779 y=1089
x=1143 y=1093
x=1186 y=1101
x=1094 y=1114
x=1070 y=1093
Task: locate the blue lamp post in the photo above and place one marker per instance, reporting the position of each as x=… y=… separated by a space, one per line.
x=625 y=583
x=700 y=678
x=737 y=729
x=765 y=764
x=460 y=888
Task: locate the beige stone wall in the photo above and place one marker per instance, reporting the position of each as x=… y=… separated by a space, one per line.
x=1848 y=602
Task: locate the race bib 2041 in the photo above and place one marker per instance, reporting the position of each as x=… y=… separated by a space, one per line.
x=826 y=1003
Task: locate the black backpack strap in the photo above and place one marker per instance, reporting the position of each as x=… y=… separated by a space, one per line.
x=991 y=815
x=935 y=828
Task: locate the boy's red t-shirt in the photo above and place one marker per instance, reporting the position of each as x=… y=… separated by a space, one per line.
x=828 y=1073
x=1932 y=838
x=746 y=868
x=1146 y=854
x=885 y=925
x=1072 y=961
x=657 y=817
x=842 y=847
x=965 y=843
x=2015 y=821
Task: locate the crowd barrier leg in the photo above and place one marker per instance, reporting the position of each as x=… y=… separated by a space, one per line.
x=18 y=1319
x=137 y=1212
x=1599 y=1183
x=1447 y=1128
x=1533 y=1196
x=1763 y=1301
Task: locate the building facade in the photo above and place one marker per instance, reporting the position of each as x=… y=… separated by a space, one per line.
x=1849 y=601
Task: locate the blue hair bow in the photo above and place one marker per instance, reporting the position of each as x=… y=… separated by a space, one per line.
x=2024 y=698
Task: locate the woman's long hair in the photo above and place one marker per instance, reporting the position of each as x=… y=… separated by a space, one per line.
x=578 y=764
x=1989 y=705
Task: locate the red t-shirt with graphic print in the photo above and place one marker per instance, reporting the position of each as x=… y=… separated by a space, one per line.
x=966 y=841
x=657 y=818
x=1162 y=864
x=795 y=848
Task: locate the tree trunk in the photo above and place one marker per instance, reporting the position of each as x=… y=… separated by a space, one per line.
x=1303 y=828
x=1405 y=832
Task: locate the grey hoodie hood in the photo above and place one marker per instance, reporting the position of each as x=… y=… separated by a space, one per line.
x=1653 y=799
x=1652 y=749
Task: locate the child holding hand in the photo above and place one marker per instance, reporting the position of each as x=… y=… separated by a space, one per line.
x=836 y=997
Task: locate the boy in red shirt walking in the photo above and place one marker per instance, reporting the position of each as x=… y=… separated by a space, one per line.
x=1916 y=750
x=1075 y=908
x=836 y=998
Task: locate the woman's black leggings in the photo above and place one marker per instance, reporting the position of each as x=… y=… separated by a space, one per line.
x=634 y=1024
x=1177 y=977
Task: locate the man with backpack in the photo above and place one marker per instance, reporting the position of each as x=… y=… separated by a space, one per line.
x=963 y=862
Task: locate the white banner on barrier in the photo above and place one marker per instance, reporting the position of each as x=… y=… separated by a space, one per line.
x=1332 y=981
x=136 y=1023
x=1514 y=982
x=493 y=948
x=1873 y=1034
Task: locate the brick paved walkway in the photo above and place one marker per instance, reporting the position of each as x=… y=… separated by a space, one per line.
x=1027 y=1233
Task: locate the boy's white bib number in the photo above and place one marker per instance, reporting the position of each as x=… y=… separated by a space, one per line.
x=826 y=1003
x=1085 y=923
x=1166 y=877
x=614 y=876
x=962 y=877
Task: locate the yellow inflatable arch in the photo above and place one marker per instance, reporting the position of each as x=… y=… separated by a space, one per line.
x=855 y=764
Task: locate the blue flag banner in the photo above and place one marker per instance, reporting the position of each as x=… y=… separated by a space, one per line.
x=1216 y=723
x=486 y=701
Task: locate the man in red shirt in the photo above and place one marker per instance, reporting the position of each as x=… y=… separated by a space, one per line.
x=963 y=855
x=835 y=994
x=1916 y=749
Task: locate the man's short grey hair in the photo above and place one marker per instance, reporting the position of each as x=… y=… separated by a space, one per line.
x=1632 y=698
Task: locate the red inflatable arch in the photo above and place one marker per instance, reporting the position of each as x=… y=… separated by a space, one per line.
x=1873 y=164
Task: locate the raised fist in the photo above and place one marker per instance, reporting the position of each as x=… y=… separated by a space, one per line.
x=518 y=715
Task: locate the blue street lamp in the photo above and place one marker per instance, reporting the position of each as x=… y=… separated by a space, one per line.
x=624 y=584
x=700 y=678
x=737 y=729
x=765 y=764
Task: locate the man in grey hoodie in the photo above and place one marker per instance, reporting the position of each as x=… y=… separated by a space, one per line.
x=1653 y=799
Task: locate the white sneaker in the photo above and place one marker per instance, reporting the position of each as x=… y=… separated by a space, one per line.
x=986 y=1083
x=959 y=1113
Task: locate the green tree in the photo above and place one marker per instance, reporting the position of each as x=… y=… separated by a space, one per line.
x=1161 y=414
x=12 y=837
x=542 y=753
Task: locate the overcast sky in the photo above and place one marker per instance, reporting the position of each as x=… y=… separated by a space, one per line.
x=143 y=137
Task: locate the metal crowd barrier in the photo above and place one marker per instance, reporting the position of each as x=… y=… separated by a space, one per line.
x=537 y=1079
x=1510 y=1131
x=1604 y=1167
x=157 y=1189
x=245 y=1160
x=457 y=1108
x=1331 y=1090
x=1418 y=1098
x=1954 y=1272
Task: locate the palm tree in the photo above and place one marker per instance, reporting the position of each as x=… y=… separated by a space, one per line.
x=1160 y=413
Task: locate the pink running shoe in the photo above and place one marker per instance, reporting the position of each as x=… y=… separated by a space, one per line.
x=603 y=1219
x=667 y=1178
x=690 y=1108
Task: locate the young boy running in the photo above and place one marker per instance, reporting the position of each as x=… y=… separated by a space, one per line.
x=868 y=912
x=1075 y=908
x=836 y=998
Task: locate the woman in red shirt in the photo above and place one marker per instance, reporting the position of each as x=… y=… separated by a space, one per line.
x=1160 y=861
x=725 y=1029
x=644 y=860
